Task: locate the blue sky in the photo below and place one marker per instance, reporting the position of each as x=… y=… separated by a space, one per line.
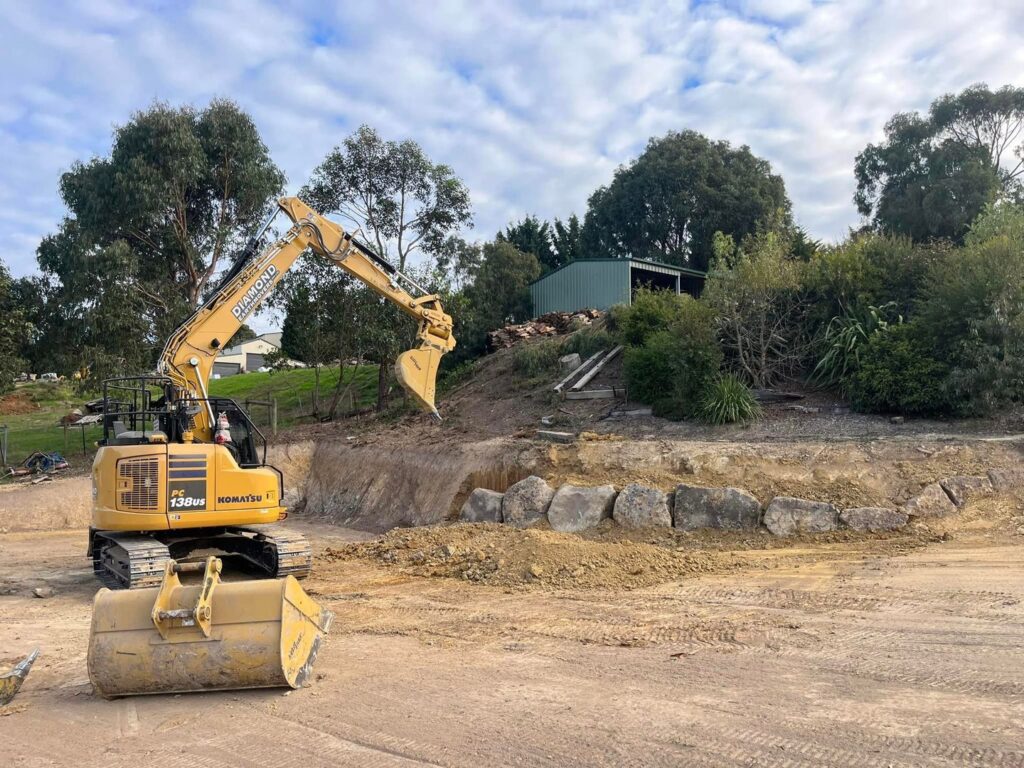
x=534 y=104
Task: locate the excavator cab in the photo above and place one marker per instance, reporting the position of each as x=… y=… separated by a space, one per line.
x=140 y=410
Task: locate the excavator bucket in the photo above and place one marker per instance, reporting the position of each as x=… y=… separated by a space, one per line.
x=11 y=680
x=417 y=372
x=214 y=635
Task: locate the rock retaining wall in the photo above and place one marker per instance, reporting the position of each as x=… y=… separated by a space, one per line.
x=575 y=508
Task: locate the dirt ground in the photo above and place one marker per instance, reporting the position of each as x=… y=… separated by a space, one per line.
x=900 y=650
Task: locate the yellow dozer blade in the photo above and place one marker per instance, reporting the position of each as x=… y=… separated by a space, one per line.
x=11 y=680
x=416 y=371
x=215 y=635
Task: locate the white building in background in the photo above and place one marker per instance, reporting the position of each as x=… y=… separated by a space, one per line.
x=250 y=355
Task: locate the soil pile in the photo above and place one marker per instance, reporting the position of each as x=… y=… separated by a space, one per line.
x=503 y=556
x=15 y=403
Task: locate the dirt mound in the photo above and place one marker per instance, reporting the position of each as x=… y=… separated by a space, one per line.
x=15 y=403
x=611 y=558
x=502 y=556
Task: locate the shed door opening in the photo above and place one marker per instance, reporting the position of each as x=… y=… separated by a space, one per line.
x=656 y=281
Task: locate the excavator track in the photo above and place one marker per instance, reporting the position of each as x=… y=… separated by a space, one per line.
x=129 y=561
x=293 y=555
x=135 y=561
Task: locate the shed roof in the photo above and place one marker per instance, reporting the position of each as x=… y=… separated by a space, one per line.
x=659 y=265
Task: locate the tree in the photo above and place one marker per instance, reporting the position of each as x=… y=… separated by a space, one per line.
x=457 y=261
x=992 y=121
x=184 y=189
x=392 y=190
x=932 y=175
x=93 y=318
x=13 y=330
x=531 y=235
x=402 y=201
x=668 y=203
x=499 y=294
x=568 y=240
x=319 y=328
x=27 y=296
x=148 y=229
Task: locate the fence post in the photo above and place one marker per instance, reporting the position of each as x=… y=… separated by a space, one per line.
x=273 y=416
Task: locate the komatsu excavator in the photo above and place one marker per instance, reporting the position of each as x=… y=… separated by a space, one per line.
x=180 y=480
x=179 y=471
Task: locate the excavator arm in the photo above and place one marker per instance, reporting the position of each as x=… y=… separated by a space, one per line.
x=189 y=354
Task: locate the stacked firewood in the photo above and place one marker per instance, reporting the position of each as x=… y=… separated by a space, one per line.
x=550 y=324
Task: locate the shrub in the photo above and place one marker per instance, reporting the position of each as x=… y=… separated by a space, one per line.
x=898 y=374
x=972 y=312
x=728 y=400
x=844 y=338
x=537 y=359
x=761 y=310
x=671 y=369
x=650 y=371
x=651 y=311
x=866 y=270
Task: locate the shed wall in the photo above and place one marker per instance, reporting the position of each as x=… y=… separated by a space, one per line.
x=582 y=285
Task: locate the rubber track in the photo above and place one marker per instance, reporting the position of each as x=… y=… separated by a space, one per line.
x=294 y=554
x=144 y=556
x=140 y=559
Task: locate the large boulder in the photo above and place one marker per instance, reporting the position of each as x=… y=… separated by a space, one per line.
x=787 y=515
x=964 y=488
x=727 y=508
x=1006 y=480
x=574 y=508
x=526 y=502
x=932 y=501
x=482 y=506
x=638 y=506
x=873 y=518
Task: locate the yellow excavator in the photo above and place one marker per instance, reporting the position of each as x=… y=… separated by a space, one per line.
x=180 y=480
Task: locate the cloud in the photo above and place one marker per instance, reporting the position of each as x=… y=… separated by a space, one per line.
x=533 y=103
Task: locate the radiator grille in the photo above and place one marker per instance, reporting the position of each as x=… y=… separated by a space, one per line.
x=143 y=477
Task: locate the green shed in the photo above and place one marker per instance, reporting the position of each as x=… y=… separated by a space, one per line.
x=600 y=283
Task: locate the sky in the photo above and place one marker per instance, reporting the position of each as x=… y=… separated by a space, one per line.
x=533 y=104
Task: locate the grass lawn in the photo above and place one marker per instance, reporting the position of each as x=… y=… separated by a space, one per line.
x=294 y=391
x=36 y=429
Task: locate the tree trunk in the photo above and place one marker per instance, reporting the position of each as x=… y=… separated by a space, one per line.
x=332 y=412
x=382 y=386
x=316 y=391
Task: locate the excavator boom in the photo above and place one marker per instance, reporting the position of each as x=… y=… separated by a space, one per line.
x=189 y=354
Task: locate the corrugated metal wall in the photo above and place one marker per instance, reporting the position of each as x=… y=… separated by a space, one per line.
x=582 y=285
